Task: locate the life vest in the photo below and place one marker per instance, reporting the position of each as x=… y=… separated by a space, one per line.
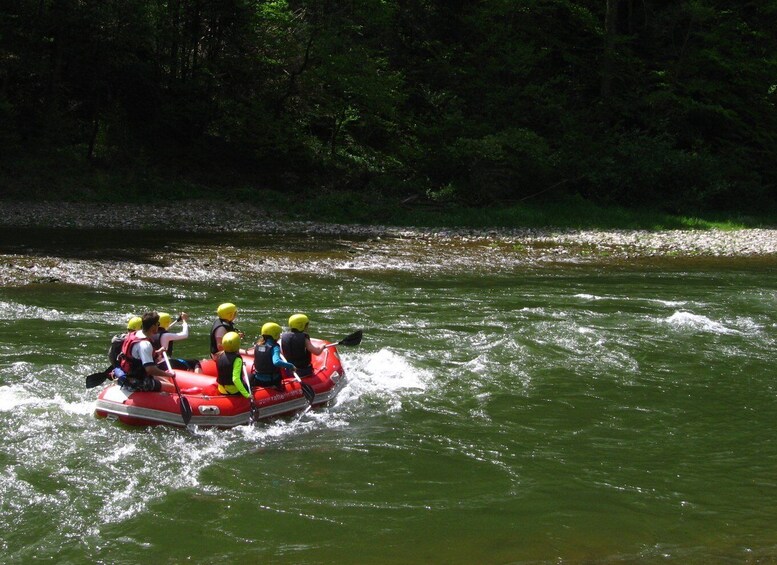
x=114 y=350
x=131 y=366
x=156 y=341
x=263 y=364
x=294 y=348
x=219 y=323
x=224 y=364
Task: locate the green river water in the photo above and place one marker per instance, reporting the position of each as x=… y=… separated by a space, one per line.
x=498 y=410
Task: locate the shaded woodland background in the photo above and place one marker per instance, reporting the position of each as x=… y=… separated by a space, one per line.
x=641 y=103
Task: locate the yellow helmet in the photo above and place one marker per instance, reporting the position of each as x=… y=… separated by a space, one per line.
x=165 y=320
x=272 y=329
x=135 y=323
x=231 y=342
x=227 y=311
x=298 y=322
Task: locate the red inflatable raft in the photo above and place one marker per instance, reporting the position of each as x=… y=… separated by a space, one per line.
x=210 y=408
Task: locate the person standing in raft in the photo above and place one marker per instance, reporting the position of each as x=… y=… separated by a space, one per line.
x=268 y=363
x=164 y=339
x=230 y=366
x=133 y=325
x=297 y=347
x=225 y=323
x=137 y=357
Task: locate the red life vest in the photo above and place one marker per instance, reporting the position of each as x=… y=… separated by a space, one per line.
x=130 y=365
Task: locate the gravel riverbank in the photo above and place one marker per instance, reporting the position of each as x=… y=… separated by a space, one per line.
x=203 y=217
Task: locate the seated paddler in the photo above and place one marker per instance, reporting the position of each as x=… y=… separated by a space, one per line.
x=297 y=347
x=229 y=364
x=268 y=363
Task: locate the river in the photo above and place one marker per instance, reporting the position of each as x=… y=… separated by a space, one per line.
x=500 y=409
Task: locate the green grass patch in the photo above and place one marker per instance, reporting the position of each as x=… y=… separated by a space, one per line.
x=570 y=213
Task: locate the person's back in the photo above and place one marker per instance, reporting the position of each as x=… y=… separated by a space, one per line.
x=293 y=346
x=229 y=365
x=267 y=357
x=297 y=347
x=222 y=325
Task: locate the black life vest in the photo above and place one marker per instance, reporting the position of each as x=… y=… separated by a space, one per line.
x=263 y=364
x=130 y=365
x=294 y=348
x=114 y=350
x=219 y=323
x=156 y=341
x=224 y=364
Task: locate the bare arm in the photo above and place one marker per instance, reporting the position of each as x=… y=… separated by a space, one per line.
x=220 y=333
x=167 y=337
x=154 y=371
x=312 y=348
x=146 y=355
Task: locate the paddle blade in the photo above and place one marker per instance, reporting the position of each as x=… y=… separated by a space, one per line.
x=96 y=379
x=308 y=391
x=354 y=339
x=186 y=410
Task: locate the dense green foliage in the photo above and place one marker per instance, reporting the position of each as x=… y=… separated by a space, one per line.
x=665 y=104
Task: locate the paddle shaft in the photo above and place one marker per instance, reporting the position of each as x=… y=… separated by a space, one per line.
x=183 y=402
x=247 y=383
x=307 y=390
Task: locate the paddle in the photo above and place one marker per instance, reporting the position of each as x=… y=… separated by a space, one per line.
x=307 y=390
x=254 y=414
x=176 y=321
x=353 y=339
x=183 y=402
x=96 y=379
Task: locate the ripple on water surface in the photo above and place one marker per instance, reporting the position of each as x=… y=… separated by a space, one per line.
x=558 y=412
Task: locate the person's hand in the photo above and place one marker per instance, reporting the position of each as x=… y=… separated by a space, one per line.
x=183 y=316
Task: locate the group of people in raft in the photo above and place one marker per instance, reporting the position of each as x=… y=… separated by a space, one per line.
x=144 y=354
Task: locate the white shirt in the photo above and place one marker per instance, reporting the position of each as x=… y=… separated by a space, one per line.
x=143 y=350
x=167 y=337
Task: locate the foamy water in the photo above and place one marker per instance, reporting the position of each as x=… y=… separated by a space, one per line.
x=101 y=449
x=512 y=413
x=688 y=320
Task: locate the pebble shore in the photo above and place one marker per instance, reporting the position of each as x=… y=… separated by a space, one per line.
x=205 y=216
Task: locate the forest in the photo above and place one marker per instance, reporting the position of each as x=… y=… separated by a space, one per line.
x=665 y=104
